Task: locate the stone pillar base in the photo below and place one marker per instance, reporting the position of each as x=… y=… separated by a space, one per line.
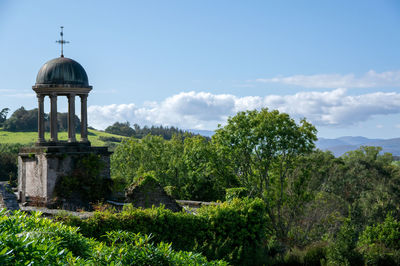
x=40 y=168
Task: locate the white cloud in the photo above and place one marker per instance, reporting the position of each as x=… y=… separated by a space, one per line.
x=368 y=80
x=203 y=110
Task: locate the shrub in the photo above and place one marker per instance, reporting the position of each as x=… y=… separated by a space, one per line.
x=237 y=192
x=380 y=243
x=236 y=231
x=343 y=250
x=8 y=162
x=110 y=139
x=315 y=253
x=293 y=257
x=233 y=231
x=311 y=255
x=32 y=240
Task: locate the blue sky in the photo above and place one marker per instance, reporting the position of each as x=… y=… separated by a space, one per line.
x=192 y=64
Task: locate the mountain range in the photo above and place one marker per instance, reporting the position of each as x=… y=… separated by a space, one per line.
x=341 y=145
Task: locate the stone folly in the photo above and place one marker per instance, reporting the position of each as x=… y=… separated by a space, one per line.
x=147 y=193
x=41 y=167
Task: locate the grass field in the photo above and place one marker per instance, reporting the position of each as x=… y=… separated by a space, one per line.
x=27 y=138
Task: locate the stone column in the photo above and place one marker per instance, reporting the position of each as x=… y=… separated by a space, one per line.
x=53 y=118
x=71 y=118
x=84 y=131
x=40 y=119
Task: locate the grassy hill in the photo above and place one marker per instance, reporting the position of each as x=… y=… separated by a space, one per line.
x=96 y=137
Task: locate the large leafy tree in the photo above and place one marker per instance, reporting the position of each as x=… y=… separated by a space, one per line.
x=187 y=165
x=26 y=121
x=22 y=120
x=3 y=115
x=370 y=184
x=262 y=146
x=123 y=129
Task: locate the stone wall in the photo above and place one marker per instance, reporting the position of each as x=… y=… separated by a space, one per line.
x=39 y=169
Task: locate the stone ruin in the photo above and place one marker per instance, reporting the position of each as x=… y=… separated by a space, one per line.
x=147 y=192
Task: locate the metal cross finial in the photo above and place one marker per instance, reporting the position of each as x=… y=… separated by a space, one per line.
x=62 y=41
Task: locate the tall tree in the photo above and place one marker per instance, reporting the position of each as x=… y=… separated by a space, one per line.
x=3 y=115
x=262 y=147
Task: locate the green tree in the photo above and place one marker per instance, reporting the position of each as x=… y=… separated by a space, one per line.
x=262 y=147
x=323 y=211
x=22 y=120
x=3 y=115
x=203 y=180
x=369 y=183
x=187 y=165
x=134 y=157
x=122 y=129
x=27 y=121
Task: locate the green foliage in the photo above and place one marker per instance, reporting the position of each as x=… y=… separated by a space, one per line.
x=125 y=129
x=188 y=165
x=147 y=179
x=260 y=147
x=23 y=120
x=237 y=231
x=312 y=255
x=8 y=167
x=232 y=231
x=28 y=239
x=3 y=115
x=343 y=250
x=380 y=243
x=110 y=139
x=9 y=162
x=315 y=253
x=236 y=192
x=32 y=240
x=386 y=233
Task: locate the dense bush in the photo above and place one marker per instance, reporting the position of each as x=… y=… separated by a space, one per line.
x=32 y=240
x=9 y=162
x=3 y=115
x=236 y=192
x=188 y=166
x=343 y=249
x=236 y=231
x=232 y=231
x=380 y=243
x=312 y=255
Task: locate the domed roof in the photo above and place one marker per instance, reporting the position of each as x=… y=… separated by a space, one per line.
x=62 y=71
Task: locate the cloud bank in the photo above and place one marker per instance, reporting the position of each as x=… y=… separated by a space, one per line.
x=371 y=79
x=202 y=110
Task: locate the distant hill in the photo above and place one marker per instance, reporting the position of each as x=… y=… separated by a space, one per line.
x=205 y=133
x=342 y=145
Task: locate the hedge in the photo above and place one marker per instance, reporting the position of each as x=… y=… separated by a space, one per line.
x=233 y=231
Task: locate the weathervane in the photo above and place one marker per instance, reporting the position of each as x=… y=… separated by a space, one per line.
x=62 y=41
